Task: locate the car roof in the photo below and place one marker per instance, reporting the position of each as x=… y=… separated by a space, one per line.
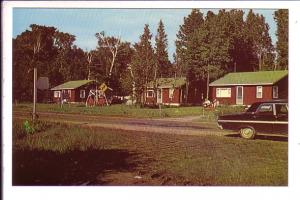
x=275 y=101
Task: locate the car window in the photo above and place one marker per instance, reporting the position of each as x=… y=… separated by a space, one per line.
x=253 y=107
x=281 y=109
x=265 y=109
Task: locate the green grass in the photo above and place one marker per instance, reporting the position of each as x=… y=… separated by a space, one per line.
x=131 y=111
x=67 y=155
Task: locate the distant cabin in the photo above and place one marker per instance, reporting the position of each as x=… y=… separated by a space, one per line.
x=166 y=91
x=245 y=88
x=73 y=91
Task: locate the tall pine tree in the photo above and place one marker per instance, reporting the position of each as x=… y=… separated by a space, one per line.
x=163 y=63
x=208 y=51
x=282 y=19
x=257 y=33
x=190 y=23
x=143 y=63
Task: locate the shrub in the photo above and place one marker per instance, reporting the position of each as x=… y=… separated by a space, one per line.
x=28 y=128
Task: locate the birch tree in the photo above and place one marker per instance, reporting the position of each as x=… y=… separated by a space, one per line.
x=112 y=44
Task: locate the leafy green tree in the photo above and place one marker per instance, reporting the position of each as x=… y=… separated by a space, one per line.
x=33 y=48
x=281 y=17
x=208 y=51
x=143 y=63
x=163 y=63
x=233 y=20
x=77 y=63
x=190 y=23
x=51 y=52
x=63 y=42
x=110 y=61
x=257 y=33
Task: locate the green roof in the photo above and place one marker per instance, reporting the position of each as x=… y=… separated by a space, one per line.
x=250 y=78
x=168 y=82
x=72 y=84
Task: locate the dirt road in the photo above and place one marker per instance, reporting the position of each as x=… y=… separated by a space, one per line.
x=182 y=125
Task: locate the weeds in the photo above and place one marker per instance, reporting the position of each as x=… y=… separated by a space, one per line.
x=134 y=111
x=27 y=127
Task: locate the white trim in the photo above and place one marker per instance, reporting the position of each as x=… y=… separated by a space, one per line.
x=219 y=95
x=70 y=93
x=172 y=104
x=236 y=96
x=82 y=96
x=236 y=84
x=64 y=88
x=57 y=94
x=149 y=91
x=275 y=86
x=159 y=97
x=259 y=97
x=164 y=87
x=258 y=122
x=171 y=92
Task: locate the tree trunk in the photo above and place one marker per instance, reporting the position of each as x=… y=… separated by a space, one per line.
x=187 y=92
x=207 y=85
x=89 y=73
x=260 y=62
x=114 y=54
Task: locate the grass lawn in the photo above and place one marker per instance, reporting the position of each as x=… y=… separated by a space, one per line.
x=131 y=111
x=61 y=154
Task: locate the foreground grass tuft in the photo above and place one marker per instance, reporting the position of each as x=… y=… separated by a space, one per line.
x=71 y=155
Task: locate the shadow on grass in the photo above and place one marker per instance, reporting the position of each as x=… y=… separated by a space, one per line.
x=264 y=137
x=48 y=168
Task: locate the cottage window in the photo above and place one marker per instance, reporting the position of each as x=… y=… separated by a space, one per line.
x=56 y=94
x=82 y=94
x=259 y=92
x=223 y=92
x=171 y=92
x=150 y=93
x=69 y=93
x=275 y=92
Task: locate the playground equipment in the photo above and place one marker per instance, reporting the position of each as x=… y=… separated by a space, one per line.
x=97 y=97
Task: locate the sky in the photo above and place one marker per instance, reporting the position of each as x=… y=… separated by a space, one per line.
x=128 y=23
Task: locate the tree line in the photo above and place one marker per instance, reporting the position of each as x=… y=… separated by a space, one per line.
x=207 y=47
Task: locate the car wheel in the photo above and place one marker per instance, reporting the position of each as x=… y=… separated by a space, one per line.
x=247 y=133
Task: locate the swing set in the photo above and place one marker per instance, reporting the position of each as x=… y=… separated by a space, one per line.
x=97 y=97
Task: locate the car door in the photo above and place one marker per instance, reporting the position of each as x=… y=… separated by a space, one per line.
x=281 y=123
x=263 y=119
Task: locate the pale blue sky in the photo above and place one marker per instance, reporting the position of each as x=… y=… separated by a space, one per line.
x=129 y=23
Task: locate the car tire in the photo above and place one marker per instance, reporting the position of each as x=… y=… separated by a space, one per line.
x=247 y=133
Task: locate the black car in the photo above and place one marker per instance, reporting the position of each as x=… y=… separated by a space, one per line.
x=265 y=117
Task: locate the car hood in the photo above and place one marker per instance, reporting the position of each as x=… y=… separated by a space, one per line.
x=235 y=116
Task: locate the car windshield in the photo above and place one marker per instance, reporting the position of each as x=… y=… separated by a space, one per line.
x=253 y=107
x=281 y=109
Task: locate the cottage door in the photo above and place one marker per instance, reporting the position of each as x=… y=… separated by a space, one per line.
x=239 y=95
x=159 y=96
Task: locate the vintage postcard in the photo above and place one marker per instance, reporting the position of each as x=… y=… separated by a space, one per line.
x=139 y=94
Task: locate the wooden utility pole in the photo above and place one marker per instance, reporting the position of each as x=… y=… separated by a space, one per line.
x=34 y=93
x=36 y=50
